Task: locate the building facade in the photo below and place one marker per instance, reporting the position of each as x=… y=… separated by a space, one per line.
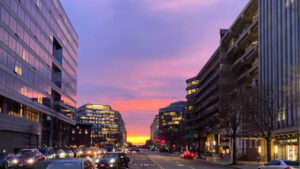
x=108 y=125
x=201 y=116
x=38 y=74
x=170 y=122
x=154 y=128
x=279 y=67
x=81 y=135
x=261 y=48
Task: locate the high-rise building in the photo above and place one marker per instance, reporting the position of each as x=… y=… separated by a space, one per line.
x=279 y=70
x=154 y=128
x=203 y=108
x=260 y=49
x=38 y=74
x=170 y=122
x=108 y=125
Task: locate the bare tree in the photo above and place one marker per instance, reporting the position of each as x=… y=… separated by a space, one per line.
x=263 y=108
x=233 y=119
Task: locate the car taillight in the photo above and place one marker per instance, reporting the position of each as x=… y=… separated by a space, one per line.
x=192 y=154
x=288 y=168
x=102 y=165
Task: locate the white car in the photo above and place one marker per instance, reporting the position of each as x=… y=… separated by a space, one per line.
x=281 y=164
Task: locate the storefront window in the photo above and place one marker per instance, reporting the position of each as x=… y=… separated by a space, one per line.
x=292 y=152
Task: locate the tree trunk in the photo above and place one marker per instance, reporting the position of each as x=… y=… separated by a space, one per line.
x=268 y=140
x=234 y=161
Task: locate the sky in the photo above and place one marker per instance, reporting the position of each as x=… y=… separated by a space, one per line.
x=135 y=55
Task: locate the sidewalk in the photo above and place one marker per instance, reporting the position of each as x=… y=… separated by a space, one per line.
x=240 y=165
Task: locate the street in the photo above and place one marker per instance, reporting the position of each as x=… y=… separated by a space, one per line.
x=157 y=160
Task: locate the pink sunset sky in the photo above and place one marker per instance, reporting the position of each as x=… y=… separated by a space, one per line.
x=135 y=55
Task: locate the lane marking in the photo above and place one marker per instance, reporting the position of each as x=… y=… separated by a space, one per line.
x=180 y=165
x=156 y=163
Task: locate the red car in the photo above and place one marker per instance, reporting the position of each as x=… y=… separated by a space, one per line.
x=188 y=155
x=27 y=158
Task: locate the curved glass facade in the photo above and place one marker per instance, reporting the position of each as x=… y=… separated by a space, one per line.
x=108 y=126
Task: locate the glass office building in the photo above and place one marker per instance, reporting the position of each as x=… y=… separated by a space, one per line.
x=170 y=122
x=108 y=125
x=38 y=73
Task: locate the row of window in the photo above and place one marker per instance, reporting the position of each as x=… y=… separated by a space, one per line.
x=22 y=34
x=191 y=91
x=192 y=83
x=28 y=73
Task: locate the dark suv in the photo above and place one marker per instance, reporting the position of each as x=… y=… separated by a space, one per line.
x=114 y=160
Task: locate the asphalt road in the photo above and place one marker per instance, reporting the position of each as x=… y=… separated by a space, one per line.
x=157 y=160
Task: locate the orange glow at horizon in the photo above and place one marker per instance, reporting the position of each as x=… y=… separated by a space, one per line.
x=128 y=105
x=138 y=140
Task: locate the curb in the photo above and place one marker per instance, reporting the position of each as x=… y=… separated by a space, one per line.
x=223 y=165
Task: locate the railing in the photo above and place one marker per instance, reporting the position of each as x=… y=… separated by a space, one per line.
x=209 y=80
x=208 y=91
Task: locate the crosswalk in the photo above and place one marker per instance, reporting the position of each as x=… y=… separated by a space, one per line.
x=143 y=164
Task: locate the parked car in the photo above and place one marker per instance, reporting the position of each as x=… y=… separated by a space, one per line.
x=187 y=155
x=27 y=158
x=60 y=153
x=281 y=164
x=113 y=160
x=69 y=153
x=163 y=150
x=75 y=163
x=7 y=160
x=48 y=152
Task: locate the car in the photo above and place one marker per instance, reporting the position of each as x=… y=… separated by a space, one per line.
x=48 y=152
x=113 y=160
x=7 y=160
x=27 y=158
x=281 y=164
x=69 y=153
x=87 y=151
x=163 y=150
x=78 y=152
x=75 y=163
x=60 y=153
x=95 y=151
x=187 y=155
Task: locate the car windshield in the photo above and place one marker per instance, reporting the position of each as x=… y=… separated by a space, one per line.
x=59 y=165
x=44 y=151
x=25 y=154
x=111 y=155
x=293 y=163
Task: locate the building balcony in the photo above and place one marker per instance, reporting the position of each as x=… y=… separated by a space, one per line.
x=206 y=102
x=253 y=69
x=207 y=72
x=207 y=81
x=207 y=92
x=208 y=111
x=246 y=57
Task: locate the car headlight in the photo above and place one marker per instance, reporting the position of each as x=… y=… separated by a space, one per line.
x=62 y=155
x=97 y=161
x=15 y=161
x=30 y=161
x=112 y=160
